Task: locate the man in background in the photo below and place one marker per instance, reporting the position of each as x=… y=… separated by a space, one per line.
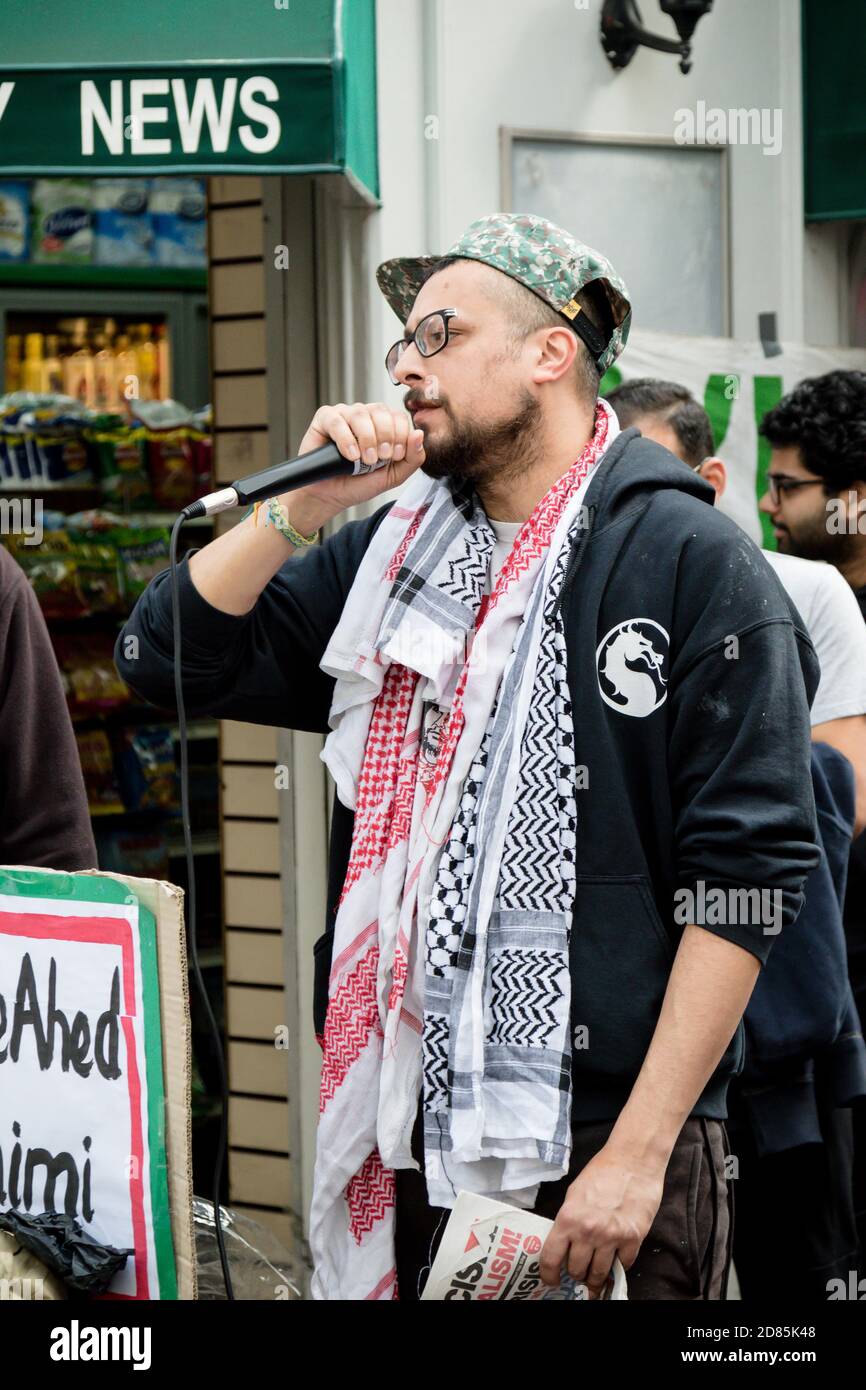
x=830 y=1219
x=666 y=412
x=817 y=494
x=44 y=820
x=817 y=503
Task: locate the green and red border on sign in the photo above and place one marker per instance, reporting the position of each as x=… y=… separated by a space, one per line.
x=117 y=931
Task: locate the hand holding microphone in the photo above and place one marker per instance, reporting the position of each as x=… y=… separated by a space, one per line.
x=232 y=570
x=350 y=454
x=381 y=439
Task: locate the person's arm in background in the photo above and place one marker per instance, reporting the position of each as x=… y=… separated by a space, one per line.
x=849 y=737
x=44 y=819
x=839 y=710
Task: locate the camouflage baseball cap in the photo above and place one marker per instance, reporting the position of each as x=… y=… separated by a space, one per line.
x=541 y=256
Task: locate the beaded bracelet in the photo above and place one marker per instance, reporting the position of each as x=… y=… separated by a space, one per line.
x=277 y=514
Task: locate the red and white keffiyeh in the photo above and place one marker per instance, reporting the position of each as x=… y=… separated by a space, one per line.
x=427 y=950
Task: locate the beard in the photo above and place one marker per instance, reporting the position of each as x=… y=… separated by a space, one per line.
x=810 y=540
x=473 y=452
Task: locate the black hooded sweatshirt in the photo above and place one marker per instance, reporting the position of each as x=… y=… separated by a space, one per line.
x=691 y=675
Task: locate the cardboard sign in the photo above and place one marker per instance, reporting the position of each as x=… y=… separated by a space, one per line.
x=83 y=1118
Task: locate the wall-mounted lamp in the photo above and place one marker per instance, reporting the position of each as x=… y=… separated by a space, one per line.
x=622 y=31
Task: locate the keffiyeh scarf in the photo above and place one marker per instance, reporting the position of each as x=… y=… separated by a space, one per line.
x=449 y=977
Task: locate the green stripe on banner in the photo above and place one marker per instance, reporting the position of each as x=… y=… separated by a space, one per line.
x=719 y=396
x=610 y=381
x=86 y=888
x=768 y=392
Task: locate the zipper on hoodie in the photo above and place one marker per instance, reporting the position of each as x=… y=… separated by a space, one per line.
x=574 y=561
x=571 y=570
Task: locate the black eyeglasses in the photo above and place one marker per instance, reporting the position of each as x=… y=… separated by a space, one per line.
x=430 y=337
x=778 y=484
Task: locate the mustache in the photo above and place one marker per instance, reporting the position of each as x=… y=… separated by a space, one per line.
x=419 y=398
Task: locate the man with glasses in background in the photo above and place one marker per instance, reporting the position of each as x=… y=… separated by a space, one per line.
x=666 y=412
x=823 y=1240
x=816 y=499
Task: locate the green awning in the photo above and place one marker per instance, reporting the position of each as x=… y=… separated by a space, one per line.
x=189 y=86
x=834 y=109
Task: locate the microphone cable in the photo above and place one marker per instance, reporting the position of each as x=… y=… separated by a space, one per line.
x=191 y=925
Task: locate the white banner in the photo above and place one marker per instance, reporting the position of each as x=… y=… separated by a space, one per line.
x=738 y=384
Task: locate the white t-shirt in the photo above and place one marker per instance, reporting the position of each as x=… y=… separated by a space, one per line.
x=505 y=533
x=827 y=605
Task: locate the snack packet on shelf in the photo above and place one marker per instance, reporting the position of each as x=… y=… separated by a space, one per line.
x=122 y=231
x=171 y=467
x=126 y=850
x=52 y=569
x=90 y=679
x=93 y=521
x=97 y=765
x=148 y=769
x=169 y=431
x=15 y=460
x=62 y=221
x=98 y=569
x=14 y=220
x=118 y=451
x=41 y=441
x=178 y=208
x=56 y=449
x=144 y=553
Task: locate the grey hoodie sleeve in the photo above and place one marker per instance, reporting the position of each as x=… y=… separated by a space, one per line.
x=743 y=678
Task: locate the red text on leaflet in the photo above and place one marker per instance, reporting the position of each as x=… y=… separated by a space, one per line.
x=500 y=1265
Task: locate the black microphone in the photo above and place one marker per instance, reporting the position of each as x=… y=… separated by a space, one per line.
x=315 y=467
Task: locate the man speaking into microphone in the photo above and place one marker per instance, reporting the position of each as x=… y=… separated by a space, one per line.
x=552 y=703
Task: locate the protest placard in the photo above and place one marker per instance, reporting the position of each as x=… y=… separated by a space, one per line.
x=94 y=1032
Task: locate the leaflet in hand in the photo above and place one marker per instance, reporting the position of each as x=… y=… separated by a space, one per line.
x=491 y=1251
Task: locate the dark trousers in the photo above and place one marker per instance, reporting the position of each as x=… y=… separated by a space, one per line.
x=858 y=1127
x=796 y=1224
x=685 y=1255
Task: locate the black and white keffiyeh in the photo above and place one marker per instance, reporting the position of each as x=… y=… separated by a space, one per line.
x=450 y=975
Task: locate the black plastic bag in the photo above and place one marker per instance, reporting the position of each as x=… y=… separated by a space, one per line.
x=85 y=1266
